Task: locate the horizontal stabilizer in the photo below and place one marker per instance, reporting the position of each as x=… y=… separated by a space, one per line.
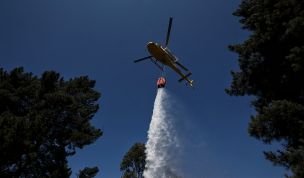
x=183 y=78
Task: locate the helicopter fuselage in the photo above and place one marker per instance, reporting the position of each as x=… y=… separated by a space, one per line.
x=164 y=56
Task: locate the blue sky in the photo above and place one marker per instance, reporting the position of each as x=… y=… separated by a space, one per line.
x=102 y=38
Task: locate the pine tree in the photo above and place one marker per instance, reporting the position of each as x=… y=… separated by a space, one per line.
x=272 y=69
x=42 y=121
x=88 y=172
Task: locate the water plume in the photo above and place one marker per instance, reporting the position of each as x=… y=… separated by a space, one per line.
x=162 y=146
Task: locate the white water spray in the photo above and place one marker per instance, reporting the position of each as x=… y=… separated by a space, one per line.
x=175 y=148
x=162 y=146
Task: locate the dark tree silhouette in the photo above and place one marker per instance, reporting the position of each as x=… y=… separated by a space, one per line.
x=88 y=172
x=272 y=69
x=42 y=121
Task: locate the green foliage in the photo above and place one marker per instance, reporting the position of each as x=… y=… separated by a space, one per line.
x=272 y=69
x=42 y=121
x=88 y=172
x=133 y=163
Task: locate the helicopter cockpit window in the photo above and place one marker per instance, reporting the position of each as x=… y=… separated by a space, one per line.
x=171 y=55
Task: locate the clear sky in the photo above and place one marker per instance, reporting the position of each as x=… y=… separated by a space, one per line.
x=102 y=38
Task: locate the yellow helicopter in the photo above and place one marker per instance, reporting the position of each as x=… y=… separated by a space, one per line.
x=166 y=57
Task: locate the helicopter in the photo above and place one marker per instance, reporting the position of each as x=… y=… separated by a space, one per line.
x=166 y=57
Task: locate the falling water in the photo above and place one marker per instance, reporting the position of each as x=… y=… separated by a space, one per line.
x=175 y=147
x=162 y=145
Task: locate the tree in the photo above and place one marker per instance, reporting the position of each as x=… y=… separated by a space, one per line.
x=42 y=121
x=135 y=159
x=88 y=172
x=272 y=69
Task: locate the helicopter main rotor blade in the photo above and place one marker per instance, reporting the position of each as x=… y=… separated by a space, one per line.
x=181 y=66
x=168 y=33
x=138 y=60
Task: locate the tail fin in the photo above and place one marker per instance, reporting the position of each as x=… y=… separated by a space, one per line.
x=191 y=84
